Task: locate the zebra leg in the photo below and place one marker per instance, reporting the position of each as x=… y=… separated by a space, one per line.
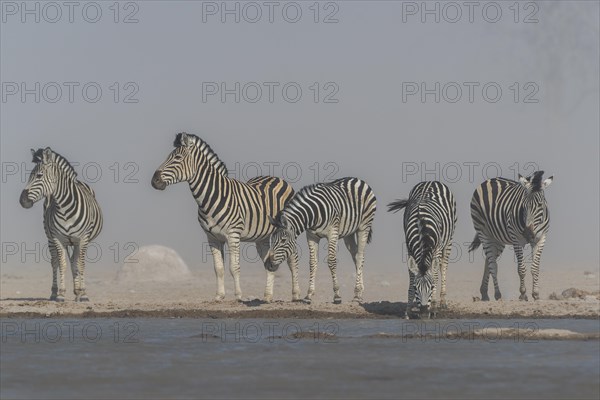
x=521 y=270
x=485 y=281
x=492 y=252
x=233 y=243
x=411 y=295
x=352 y=246
x=332 y=262
x=55 y=265
x=313 y=248
x=443 y=269
x=536 y=253
x=75 y=271
x=79 y=252
x=216 y=248
x=262 y=248
x=293 y=264
x=436 y=266
x=61 y=253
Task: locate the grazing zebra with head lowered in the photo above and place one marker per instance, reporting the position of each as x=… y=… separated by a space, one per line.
x=342 y=209
x=229 y=211
x=72 y=217
x=429 y=222
x=506 y=212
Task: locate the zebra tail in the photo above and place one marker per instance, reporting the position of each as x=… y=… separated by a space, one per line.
x=397 y=205
x=370 y=237
x=476 y=243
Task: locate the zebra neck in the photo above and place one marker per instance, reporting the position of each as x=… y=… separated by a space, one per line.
x=63 y=194
x=207 y=186
x=299 y=218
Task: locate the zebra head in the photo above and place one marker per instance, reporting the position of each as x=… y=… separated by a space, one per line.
x=423 y=284
x=178 y=165
x=534 y=211
x=43 y=178
x=283 y=241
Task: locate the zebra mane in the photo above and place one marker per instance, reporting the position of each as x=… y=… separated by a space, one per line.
x=63 y=164
x=205 y=148
x=536 y=181
x=306 y=189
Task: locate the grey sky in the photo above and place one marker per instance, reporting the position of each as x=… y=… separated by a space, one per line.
x=369 y=133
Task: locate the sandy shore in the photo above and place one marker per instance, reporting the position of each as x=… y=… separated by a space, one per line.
x=24 y=293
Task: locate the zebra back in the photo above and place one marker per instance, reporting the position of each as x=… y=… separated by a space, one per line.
x=348 y=201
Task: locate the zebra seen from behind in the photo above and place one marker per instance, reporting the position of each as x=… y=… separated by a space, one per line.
x=429 y=223
x=72 y=217
x=506 y=212
x=229 y=211
x=341 y=209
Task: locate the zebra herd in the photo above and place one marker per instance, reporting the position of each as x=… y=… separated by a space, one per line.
x=266 y=211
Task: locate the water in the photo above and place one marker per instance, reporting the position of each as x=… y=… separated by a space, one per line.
x=160 y=358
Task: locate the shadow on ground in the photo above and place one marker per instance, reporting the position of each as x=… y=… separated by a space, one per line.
x=386 y=308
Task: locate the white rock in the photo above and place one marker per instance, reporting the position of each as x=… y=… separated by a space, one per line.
x=153 y=263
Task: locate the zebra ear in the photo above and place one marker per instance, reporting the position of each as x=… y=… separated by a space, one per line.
x=412 y=266
x=524 y=181
x=32 y=152
x=47 y=155
x=185 y=139
x=547 y=182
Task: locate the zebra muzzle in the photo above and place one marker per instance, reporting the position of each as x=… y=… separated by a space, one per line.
x=24 y=199
x=157 y=182
x=270 y=266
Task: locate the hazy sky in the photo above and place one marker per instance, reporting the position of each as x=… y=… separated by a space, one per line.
x=371 y=61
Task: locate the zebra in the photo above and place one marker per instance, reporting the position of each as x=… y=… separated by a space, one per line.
x=229 y=211
x=506 y=212
x=429 y=223
x=72 y=217
x=341 y=209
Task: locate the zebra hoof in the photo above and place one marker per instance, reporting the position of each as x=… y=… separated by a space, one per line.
x=60 y=299
x=267 y=300
x=307 y=300
x=498 y=296
x=297 y=300
x=337 y=301
x=83 y=299
x=523 y=297
x=356 y=300
x=485 y=298
x=536 y=296
x=53 y=297
x=219 y=298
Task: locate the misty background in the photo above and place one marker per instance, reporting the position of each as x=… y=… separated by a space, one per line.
x=367 y=61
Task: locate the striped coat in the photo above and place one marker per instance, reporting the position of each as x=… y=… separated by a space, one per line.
x=506 y=212
x=72 y=217
x=229 y=211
